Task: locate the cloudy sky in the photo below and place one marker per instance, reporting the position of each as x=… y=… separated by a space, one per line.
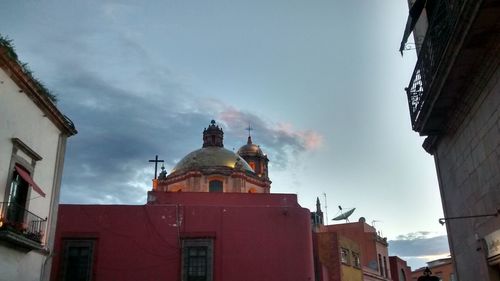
x=321 y=82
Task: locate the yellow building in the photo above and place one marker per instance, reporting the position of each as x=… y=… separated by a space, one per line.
x=337 y=257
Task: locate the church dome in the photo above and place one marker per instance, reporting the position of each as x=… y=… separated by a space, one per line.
x=250 y=149
x=212 y=157
x=213 y=168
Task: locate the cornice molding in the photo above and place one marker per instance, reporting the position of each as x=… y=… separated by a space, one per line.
x=29 y=87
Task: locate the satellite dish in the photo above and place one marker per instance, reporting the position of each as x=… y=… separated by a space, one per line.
x=344 y=216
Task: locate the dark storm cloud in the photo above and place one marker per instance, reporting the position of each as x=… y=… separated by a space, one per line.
x=128 y=106
x=419 y=244
x=121 y=128
x=118 y=132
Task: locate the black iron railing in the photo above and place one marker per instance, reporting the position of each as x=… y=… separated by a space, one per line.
x=21 y=221
x=443 y=16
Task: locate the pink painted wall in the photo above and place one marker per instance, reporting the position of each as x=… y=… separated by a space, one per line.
x=256 y=236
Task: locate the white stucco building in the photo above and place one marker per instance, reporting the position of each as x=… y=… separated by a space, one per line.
x=33 y=135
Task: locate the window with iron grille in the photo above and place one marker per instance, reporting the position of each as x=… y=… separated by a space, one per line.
x=197 y=260
x=197 y=264
x=77 y=260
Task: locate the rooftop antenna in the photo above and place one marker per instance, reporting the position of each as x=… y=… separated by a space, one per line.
x=374 y=221
x=326 y=207
x=344 y=216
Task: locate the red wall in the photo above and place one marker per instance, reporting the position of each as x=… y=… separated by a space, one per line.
x=256 y=236
x=327 y=255
x=398 y=265
x=362 y=234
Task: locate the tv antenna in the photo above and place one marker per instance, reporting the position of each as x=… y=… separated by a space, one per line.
x=326 y=208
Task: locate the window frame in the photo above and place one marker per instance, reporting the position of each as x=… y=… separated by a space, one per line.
x=191 y=243
x=253 y=166
x=18 y=188
x=25 y=158
x=18 y=160
x=381 y=267
x=70 y=242
x=344 y=256
x=214 y=181
x=356 y=260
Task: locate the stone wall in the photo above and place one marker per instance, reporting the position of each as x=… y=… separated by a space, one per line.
x=468 y=167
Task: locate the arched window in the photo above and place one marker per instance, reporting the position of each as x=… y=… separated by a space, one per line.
x=380 y=265
x=215 y=186
x=402 y=275
x=252 y=165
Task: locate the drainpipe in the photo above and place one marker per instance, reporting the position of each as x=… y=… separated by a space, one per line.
x=54 y=206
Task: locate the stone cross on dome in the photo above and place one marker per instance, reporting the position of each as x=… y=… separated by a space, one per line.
x=156 y=161
x=249 y=129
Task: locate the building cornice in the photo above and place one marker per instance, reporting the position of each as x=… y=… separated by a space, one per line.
x=177 y=177
x=31 y=89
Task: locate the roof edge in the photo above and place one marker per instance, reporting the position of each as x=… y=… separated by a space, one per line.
x=15 y=71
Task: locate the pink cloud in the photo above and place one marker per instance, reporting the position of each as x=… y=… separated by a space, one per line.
x=271 y=134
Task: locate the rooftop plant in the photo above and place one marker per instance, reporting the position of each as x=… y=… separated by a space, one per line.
x=6 y=44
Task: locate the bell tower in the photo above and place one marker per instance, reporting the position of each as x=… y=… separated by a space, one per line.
x=255 y=158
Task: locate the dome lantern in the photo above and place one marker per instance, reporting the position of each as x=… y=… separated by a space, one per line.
x=213 y=135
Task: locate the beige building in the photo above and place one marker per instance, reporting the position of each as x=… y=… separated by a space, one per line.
x=454 y=101
x=33 y=135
